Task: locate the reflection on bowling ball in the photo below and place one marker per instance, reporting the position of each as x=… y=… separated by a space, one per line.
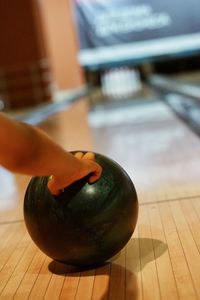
x=87 y=224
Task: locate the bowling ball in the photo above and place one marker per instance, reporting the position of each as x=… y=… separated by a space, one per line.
x=87 y=224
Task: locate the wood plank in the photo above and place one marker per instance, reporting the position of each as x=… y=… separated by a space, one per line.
x=30 y=277
x=70 y=286
x=86 y=279
x=133 y=268
x=168 y=289
x=56 y=282
x=40 y=285
x=12 y=259
x=150 y=284
x=11 y=235
x=21 y=268
x=188 y=244
x=101 y=283
x=192 y=218
x=184 y=282
x=118 y=278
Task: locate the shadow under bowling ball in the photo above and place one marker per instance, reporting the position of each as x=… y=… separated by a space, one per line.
x=111 y=281
x=87 y=224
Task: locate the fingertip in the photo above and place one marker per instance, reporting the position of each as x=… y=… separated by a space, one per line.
x=52 y=190
x=55 y=192
x=89 y=155
x=94 y=178
x=91 y=179
x=79 y=155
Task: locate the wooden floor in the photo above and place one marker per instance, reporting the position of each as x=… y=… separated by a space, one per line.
x=162 y=259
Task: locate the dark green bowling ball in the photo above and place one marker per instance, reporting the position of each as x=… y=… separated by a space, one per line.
x=87 y=224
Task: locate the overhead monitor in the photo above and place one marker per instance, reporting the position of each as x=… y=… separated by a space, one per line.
x=114 y=31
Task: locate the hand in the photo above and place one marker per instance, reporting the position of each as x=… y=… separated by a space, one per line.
x=86 y=166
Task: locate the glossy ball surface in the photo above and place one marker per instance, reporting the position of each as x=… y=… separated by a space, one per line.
x=88 y=223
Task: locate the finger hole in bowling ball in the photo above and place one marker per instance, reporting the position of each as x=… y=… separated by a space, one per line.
x=73 y=189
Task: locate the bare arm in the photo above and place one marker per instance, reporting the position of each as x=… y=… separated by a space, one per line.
x=28 y=150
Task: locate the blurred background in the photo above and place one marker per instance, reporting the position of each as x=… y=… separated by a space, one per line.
x=116 y=52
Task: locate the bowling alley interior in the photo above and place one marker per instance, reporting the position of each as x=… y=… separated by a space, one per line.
x=121 y=79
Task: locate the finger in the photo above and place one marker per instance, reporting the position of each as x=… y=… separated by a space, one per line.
x=52 y=187
x=79 y=155
x=93 y=178
x=53 y=191
x=96 y=175
x=89 y=155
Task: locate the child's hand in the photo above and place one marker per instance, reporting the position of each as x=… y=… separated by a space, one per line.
x=87 y=165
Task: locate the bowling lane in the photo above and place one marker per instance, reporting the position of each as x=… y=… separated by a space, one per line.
x=160 y=153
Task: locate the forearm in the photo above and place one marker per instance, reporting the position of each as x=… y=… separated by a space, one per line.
x=48 y=158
